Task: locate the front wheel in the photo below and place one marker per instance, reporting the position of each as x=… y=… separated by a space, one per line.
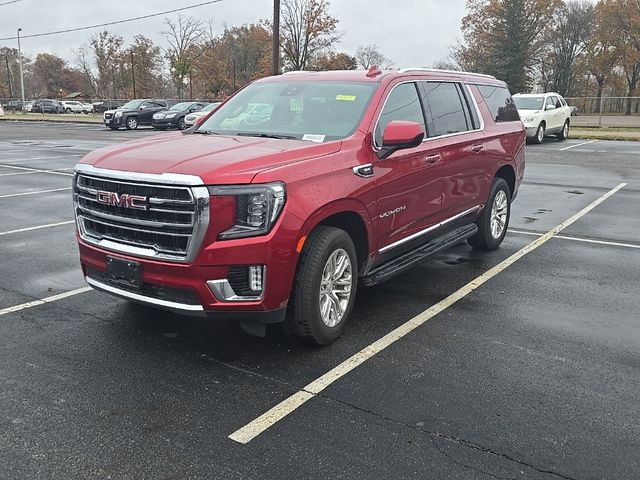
x=494 y=219
x=67 y=110
x=539 y=134
x=324 y=288
x=132 y=123
x=564 y=133
x=181 y=124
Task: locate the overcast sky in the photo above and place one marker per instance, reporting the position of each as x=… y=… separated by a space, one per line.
x=409 y=32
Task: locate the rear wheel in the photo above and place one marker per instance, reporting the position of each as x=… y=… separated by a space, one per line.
x=494 y=219
x=564 y=133
x=132 y=123
x=324 y=288
x=539 y=133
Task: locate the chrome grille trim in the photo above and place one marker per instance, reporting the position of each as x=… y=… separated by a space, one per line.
x=172 y=232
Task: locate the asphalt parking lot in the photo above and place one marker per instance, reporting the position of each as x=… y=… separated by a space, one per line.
x=533 y=374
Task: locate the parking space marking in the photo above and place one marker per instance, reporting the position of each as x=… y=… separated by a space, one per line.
x=37 y=170
x=577 y=145
x=254 y=428
x=39 y=227
x=42 y=301
x=34 y=193
x=31 y=159
x=578 y=239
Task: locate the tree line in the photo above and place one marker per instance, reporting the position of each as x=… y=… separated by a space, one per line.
x=192 y=62
x=575 y=48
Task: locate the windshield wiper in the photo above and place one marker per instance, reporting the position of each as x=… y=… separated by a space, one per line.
x=266 y=135
x=206 y=132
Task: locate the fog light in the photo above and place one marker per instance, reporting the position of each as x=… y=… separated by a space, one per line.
x=255 y=278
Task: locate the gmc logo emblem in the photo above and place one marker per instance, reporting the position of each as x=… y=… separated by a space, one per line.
x=137 y=202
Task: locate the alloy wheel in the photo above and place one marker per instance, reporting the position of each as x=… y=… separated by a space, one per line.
x=335 y=287
x=499 y=211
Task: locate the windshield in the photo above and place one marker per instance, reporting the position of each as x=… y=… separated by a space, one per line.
x=181 y=106
x=132 y=105
x=529 y=103
x=313 y=111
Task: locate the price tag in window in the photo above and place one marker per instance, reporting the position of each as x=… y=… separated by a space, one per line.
x=296 y=105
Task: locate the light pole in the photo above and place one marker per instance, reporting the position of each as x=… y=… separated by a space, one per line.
x=20 y=64
x=275 y=52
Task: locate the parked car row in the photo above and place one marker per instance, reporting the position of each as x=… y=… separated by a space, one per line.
x=159 y=113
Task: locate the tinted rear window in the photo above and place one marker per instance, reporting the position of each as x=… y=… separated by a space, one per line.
x=500 y=103
x=447 y=111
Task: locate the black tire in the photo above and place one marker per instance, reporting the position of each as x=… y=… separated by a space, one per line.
x=67 y=110
x=484 y=239
x=304 y=318
x=181 y=124
x=564 y=133
x=131 y=123
x=539 y=137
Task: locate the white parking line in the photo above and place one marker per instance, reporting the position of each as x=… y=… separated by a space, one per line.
x=29 y=159
x=577 y=145
x=39 y=227
x=42 y=301
x=37 y=170
x=34 y=193
x=578 y=239
x=263 y=422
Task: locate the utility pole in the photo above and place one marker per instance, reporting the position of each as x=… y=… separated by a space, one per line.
x=133 y=76
x=275 y=54
x=6 y=59
x=20 y=63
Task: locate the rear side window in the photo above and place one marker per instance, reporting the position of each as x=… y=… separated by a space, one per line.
x=500 y=103
x=402 y=103
x=448 y=112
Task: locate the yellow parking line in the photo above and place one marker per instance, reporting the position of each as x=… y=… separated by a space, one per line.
x=251 y=430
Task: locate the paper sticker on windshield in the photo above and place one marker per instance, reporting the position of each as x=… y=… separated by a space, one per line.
x=346 y=98
x=296 y=105
x=309 y=137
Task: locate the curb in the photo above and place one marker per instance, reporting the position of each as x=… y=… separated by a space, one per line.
x=63 y=120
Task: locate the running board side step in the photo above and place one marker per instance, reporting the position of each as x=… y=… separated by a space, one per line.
x=404 y=262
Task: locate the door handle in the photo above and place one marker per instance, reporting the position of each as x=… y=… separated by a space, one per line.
x=477 y=148
x=432 y=158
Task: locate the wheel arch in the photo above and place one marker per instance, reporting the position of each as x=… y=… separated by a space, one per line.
x=350 y=216
x=508 y=174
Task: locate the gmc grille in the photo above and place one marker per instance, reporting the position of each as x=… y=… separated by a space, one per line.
x=169 y=224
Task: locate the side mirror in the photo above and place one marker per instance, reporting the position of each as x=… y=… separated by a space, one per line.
x=550 y=107
x=143 y=107
x=398 y=135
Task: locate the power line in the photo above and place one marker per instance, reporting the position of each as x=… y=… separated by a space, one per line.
x=69 y=30
x=8 y=3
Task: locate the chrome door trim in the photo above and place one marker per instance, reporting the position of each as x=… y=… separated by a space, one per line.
x=429 y=229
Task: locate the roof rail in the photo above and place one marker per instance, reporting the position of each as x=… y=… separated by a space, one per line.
x=440 y=70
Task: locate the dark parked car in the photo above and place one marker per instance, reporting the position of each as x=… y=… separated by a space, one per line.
x=104 y=105
x=45 y=105
x=135 y=113
x=174 y=117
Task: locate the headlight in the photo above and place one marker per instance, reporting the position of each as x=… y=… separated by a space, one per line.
x=117 y=114
x=157 y=116
x=257 y=208
x=169 y=115
x=530 y=119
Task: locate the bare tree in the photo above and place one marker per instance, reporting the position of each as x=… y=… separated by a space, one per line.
x=107 y=49
x=183 y=37
x=306 y=28
x=369 y=55
x=84 y=66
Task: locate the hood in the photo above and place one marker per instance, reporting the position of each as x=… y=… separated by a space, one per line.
x=217 y=159
x=523 y=111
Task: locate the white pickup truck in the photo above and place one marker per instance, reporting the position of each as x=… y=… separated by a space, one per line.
x=544 y=114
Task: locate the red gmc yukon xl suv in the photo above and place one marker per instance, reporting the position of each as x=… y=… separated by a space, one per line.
x=298 y=189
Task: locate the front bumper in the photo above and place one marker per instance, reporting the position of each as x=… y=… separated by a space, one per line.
x=188 y=288
x=114 y=122
x=164 y=122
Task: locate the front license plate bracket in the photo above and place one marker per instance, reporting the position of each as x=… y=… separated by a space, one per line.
x=125 y=272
